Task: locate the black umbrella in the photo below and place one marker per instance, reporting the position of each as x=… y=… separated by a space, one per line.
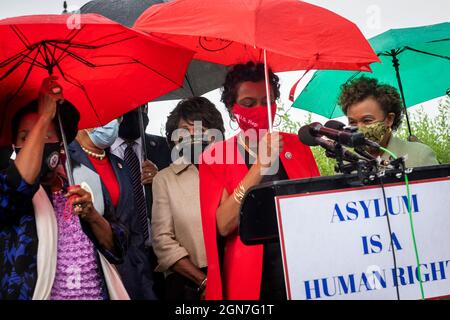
x=201 y=76
x=122 y=11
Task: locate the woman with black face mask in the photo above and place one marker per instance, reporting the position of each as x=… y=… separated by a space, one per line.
x=176 y=217
x=53 y=244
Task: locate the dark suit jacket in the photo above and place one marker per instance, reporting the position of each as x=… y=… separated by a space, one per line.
x=135 y=271
x=158 y=152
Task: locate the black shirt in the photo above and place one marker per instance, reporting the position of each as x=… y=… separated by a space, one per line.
x=272 y=281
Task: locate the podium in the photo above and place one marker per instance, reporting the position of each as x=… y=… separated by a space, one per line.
x=258 y=221
x=328 y=245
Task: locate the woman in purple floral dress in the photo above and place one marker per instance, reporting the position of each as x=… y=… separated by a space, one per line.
x=53 y=242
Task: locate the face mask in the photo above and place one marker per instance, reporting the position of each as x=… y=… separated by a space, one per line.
x=129 y=127
x=375 y=131
x=254 y=117
x=191 y=149
x=50 y=158
x=104 y=137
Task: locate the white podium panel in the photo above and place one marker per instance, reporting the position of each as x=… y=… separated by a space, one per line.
x=336 y=244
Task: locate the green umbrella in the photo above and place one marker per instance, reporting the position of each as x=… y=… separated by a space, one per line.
x=414 y=60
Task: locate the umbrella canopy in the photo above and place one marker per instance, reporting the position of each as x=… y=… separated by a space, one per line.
x=105 y=68
x=122 y=11
x=201 y=76
x=296 y=35
x=422 y=58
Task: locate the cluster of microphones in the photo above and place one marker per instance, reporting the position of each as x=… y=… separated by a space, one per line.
x=335 y=138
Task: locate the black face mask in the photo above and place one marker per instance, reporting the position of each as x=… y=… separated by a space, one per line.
x=191 y=149
x=50 y=158
x=129 y=127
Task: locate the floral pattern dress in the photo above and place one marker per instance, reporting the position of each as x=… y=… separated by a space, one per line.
x=19 y=241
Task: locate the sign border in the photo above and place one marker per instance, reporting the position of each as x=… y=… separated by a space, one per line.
x=297 y=195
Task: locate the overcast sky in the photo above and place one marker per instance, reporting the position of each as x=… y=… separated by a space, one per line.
x=371 y=16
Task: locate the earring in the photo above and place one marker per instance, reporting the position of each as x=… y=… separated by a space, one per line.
x=231 y=121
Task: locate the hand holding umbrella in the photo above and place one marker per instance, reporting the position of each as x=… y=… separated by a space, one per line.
x=106 y=69
x=50 y=94
x=149 y=171
x=285 y=34
x=29 y=159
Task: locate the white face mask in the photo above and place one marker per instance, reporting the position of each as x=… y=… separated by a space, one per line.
x=104 y=137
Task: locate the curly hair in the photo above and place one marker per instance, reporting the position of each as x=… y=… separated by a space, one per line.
x=362 y=88
x=194 y=109
x=245 y=72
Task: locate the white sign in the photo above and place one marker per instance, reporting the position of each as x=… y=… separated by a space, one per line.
x=336 y=244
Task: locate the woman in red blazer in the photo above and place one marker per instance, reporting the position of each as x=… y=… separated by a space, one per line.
x=231 y=167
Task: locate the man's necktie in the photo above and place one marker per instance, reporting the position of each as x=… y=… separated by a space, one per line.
x=132 y=161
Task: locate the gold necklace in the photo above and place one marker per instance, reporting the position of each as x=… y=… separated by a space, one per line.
x=99 y=156
x=242 y=143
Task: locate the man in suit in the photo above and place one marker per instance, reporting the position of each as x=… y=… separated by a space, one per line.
x=157 y=158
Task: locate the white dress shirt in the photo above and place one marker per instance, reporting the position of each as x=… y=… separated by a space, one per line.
x=119 y=146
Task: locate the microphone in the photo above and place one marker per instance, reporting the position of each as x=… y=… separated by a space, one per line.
x=337 y=125
x=307 y=138
x=334 y=124
x=349 y=139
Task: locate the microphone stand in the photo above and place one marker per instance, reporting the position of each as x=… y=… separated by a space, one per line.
x=364 y=167
x=339 y=156
x=367 y=167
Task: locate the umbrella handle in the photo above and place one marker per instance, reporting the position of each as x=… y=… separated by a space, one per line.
x=142 y=132
x=147 y=189
x=269 y=104
x=396 y=65
x=68 y=164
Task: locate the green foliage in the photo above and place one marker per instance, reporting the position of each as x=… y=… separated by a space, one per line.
x=325 y=164
x=434 y=132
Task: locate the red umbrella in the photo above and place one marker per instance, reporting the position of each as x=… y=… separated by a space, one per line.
x=106 y=69
x=295 y=35
x=286 y=34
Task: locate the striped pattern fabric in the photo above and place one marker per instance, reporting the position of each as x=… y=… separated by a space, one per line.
x=133 y=163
